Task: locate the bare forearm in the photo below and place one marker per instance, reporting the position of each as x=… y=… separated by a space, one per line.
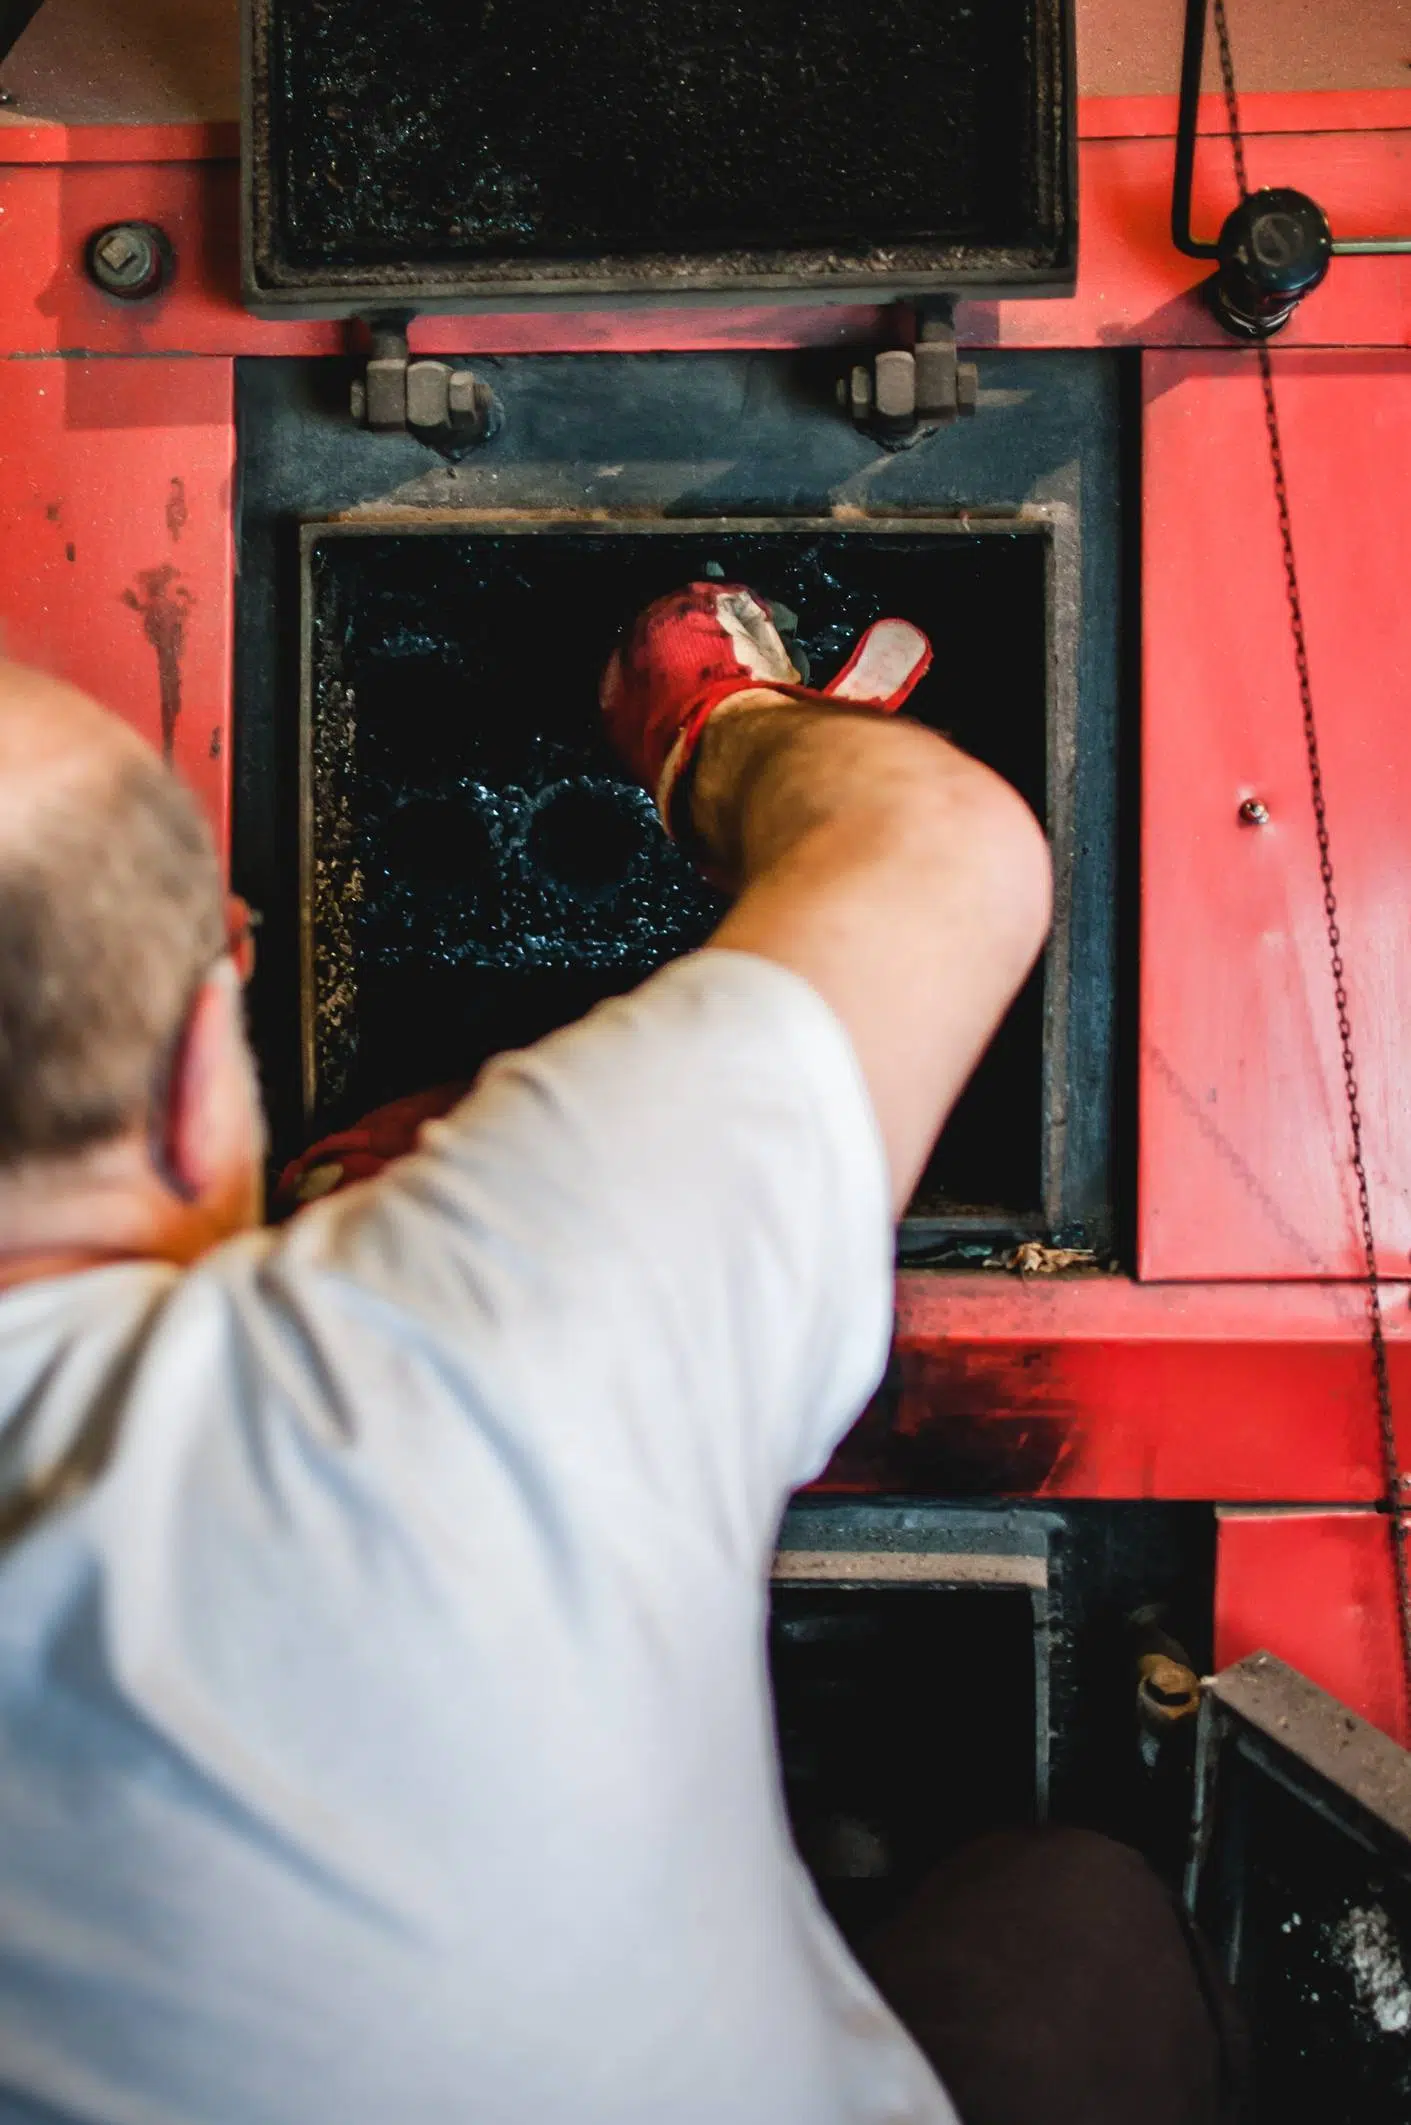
x=906 y=882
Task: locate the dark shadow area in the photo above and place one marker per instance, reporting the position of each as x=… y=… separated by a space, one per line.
x=1305 y=1887
x=913 y=1718
x=906 y=1726
x=483 y=870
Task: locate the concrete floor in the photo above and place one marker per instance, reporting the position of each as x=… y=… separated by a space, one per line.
x=107 y=61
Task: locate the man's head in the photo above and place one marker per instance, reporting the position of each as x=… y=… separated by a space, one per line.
x=129 y=1119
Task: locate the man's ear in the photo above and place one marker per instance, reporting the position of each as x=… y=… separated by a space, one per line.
x=202 y=1125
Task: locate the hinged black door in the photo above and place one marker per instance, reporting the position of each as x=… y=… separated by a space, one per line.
x=1300 y=1874
x=450 y=154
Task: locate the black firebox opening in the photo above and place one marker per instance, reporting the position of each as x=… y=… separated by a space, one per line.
x=479 y=869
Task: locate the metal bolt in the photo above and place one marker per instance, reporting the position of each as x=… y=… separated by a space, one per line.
x=1254 y=812
x=129 y=259
x=122 y=254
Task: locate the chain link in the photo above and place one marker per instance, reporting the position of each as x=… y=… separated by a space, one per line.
x=1232 y=100
x=1394 y=1483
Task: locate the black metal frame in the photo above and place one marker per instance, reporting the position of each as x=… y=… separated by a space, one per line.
x=1299 y=1875
x=273 y=287
x=669 y=437
x=319 y=865
x=1263 y=1714
x=1086 y=1569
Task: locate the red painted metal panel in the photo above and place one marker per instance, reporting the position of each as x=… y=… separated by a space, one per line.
x=1318 y=1590
x=47 y=214
x=1098 y=1387
x=1133 y=288
x=115 y=544
x=1244 y=1141
x=1282 y=111
x=47 y=141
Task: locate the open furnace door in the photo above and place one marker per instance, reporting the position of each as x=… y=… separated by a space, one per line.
x=1300 y=1874
x=449 y=157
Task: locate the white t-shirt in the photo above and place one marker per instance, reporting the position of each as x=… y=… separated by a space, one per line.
x=385 y=1734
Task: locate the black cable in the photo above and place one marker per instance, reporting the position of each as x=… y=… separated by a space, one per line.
x=1187 y=129
x=1394 y=1500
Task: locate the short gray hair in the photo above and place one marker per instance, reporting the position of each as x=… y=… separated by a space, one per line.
x=112 y=911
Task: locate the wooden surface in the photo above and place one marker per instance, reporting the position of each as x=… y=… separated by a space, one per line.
x=95 y=62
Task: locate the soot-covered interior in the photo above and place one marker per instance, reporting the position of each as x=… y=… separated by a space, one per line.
x=481 y=869
x=530 y=130
x=906 y=1722
x=1323 y=1932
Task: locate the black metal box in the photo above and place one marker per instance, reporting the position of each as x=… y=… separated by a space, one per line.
x=445 y=156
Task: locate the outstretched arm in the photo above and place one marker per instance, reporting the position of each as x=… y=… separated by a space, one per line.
x=906 y=882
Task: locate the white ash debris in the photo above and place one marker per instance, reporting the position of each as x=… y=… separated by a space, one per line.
x=1365 y=1942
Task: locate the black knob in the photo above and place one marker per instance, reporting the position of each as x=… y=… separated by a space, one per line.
x=1273 y=250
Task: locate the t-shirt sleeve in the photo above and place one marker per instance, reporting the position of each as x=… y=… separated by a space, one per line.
x=658 y=1244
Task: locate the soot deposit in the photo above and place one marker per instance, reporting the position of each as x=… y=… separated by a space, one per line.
x=482 y=869
x=524 y=129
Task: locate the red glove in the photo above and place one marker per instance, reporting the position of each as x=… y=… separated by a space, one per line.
x=689 y=652
x=359 y=1153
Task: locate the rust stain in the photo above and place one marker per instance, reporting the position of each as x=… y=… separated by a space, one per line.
x=163 y=601
x=215 y=747
x=177 y=509
x=53 y=511
x=71 y=551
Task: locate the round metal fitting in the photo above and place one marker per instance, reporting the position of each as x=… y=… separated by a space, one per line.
x=1274 y=249
x=1254 y=812
x=129 y=259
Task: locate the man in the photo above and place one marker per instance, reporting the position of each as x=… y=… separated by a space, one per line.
x=384 y=1725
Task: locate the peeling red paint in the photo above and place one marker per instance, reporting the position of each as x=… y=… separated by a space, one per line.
x=163 y=600
x=178 y=512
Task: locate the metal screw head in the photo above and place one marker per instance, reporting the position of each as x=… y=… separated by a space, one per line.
x=1254 y=812
x=129 y=259
x=122 y=254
